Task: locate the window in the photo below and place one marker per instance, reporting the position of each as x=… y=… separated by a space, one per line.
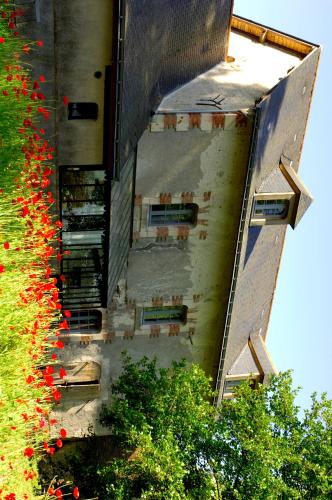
x=85 y=321
x=173 y=214
x=166 y=314
x=232 y=384
x=82 y=111
x=271 y=209
x=83 y=218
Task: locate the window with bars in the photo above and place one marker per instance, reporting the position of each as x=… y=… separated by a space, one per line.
x=85 y=321
x=271 y=209
x=164 y=315
x=83 y=218
x=173 y=214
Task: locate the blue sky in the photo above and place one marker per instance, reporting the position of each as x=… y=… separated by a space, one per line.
x=300 y=329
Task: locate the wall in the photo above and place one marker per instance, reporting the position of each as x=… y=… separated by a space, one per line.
x=83 y=45
x=173 y=264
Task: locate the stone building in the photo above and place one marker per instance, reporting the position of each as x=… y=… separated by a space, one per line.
x=178 y=150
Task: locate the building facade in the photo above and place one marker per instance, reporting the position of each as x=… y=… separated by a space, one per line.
x=178 y=144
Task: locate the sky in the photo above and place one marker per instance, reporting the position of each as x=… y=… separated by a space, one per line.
x=299 y=335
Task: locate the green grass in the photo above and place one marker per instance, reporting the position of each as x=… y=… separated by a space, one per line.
x=28 y=296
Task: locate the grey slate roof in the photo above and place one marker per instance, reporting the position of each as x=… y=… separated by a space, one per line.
x=280 y=128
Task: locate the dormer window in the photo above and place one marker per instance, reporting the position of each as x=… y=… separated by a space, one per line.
x=281 y=199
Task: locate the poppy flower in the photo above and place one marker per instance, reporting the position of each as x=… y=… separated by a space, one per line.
x=58 y=494
x=63 y=433
x=2 y=268
x=28 y=452
x=51 y=491
x=41 y=78
x=5 y=92
x=65 y=100
x=2 y=39
x=39 y=43
x=57 y=395
x=59 y=443
x=76 y=492
x=67 y=313
x=49 y=370
x=62 y=372
x=6 y=245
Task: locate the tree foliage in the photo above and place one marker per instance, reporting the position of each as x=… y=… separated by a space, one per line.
x=176 y=445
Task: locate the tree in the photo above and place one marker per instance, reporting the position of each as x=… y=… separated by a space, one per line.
x=176 y=445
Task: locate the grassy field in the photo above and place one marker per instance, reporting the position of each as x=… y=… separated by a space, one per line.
x=29 y=305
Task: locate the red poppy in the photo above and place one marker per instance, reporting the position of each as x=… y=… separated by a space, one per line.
x=41 y=78
x=51 y=491
x=39 y=43
x=6 y=245
x=64 y=325
x=59 y=443
x=65 y=100
x=28 y=452
x=63 y=433
x=58 y=494
x=76 y=492
x=2 y=268
x=49 y=370
x=11 y=496
x=5 y=92
x=29 y=379
x=57 y=395
x=67 y=314
x=62 y=372
x=2 y=39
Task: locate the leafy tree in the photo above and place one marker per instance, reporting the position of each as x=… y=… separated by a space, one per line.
x=175 y=445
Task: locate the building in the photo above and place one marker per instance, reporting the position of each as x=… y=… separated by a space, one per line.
x=178 y=155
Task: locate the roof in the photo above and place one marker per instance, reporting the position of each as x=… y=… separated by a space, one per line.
x=279 y=133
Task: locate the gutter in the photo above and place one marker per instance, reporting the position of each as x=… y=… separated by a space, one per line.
x=238 y=251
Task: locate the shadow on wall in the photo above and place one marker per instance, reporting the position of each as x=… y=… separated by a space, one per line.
x=253 y=235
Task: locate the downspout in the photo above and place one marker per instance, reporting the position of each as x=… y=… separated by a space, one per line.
x=236 y=266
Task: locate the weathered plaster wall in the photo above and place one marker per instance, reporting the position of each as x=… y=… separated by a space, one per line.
x=83 y=41
x=191 y=267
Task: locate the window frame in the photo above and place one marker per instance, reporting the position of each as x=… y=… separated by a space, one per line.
x=180 y=320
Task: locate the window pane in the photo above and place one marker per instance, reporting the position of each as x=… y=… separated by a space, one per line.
x=270 y=209
x=167 y=314
x=78 y=175
x=172 y=214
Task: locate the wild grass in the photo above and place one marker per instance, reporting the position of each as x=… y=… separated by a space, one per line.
x=29 y=302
